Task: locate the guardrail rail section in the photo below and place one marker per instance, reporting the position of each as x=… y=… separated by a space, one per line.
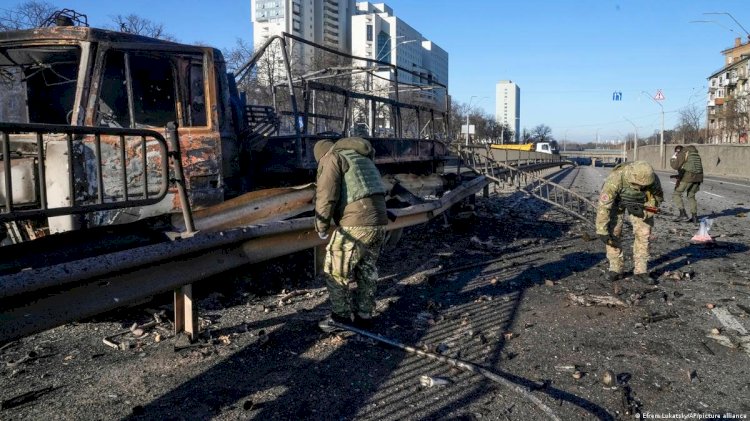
x=481 y=161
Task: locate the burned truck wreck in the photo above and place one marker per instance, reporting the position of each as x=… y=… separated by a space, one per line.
x=133 y=166
x=230 y=141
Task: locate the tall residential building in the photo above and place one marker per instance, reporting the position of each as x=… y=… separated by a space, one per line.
x=325 y=22
x=729 y=97
x=378 y=34
x=508 y=106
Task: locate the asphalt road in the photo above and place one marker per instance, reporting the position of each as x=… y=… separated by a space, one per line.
x=495 y=291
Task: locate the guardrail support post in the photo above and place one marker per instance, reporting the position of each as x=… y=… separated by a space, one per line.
x=184 y=313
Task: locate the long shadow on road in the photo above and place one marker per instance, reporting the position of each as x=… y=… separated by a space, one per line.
x=314 y=376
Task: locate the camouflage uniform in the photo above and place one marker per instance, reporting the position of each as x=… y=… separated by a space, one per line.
x=350 y=194
x=629 y=187
x=350 y=263
x=687 y=162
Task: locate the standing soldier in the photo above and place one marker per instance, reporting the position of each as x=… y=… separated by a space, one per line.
x=689 y=168
x=633 y=187
x=350 y=193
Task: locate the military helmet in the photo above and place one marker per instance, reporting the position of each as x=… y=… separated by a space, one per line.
x=321 y=148
x=639 y=173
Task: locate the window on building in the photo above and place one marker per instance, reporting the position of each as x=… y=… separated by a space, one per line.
x=369 y=32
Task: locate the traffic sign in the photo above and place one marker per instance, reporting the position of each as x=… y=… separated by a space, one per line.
x=659 y=95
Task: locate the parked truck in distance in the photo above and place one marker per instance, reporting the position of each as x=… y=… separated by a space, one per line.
x=549 y=147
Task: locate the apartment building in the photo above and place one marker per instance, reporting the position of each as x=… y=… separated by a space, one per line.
x=728 y=109
x=325 y=22
x=377 y=33
x=508 y=106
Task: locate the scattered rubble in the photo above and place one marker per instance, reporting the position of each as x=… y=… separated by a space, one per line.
x=526 y=301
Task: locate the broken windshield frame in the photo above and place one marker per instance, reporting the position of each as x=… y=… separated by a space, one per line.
x=39 y=83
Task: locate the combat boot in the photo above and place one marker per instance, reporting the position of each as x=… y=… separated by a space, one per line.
x=682 y=217
x=613 y=276
x=645 y=278
x=694 y=219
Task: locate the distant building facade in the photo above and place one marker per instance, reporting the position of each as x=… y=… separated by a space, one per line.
x=508 y=106
x=325 y=22
x=377 y=33
x=728 y=109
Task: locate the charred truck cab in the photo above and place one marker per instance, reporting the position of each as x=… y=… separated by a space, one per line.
x=83 y=76
x=125 y=90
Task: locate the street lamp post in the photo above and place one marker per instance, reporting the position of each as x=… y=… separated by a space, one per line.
x=394 y=47
x=635 y=142
x=661 y=135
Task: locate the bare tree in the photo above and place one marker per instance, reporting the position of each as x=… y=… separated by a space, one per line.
x=30 y=14
x=138 y=25
x=541 y=133
x=689 y=127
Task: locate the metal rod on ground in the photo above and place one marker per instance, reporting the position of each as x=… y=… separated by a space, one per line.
x=456 y=363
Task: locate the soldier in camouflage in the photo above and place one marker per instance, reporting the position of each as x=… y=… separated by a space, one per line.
x=631 y=187
x=350 y=193
x=687 y=162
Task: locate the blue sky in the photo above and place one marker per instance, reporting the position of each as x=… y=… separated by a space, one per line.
x=567 y=56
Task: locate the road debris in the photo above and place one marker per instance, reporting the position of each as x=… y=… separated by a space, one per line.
x=608 y=378
x=428 y=381
x=589 y=300
x=578 y=374
x=659 y=317
x=570 y=368
x=30 y=356
x=458 y=364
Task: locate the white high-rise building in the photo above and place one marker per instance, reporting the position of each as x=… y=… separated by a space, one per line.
x=378 y=34
x=508 y=106
x=325 y=22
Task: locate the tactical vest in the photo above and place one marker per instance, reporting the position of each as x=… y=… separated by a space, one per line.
x=627 y=193
x=693 y=163
x=362 y=179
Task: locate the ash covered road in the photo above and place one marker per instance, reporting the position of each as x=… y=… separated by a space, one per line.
x=499 y=291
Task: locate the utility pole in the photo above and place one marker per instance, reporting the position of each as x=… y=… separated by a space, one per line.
x=635 y=142
x=661 y=135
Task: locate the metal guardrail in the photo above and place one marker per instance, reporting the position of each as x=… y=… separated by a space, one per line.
x=38 y=299
x=541 y=188
x=90 y=138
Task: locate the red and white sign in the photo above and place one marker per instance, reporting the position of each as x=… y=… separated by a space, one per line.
x=659 y=95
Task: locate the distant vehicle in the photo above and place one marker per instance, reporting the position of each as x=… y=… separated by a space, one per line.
x=550 y=147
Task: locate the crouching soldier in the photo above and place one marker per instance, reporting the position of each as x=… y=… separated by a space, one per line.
x=631 y=187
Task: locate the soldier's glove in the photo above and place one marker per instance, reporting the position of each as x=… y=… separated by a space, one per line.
x=606 y=239
x=323 y=235
x=391 y=216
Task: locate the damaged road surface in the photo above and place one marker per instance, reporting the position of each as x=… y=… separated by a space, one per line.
x=519 y=290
